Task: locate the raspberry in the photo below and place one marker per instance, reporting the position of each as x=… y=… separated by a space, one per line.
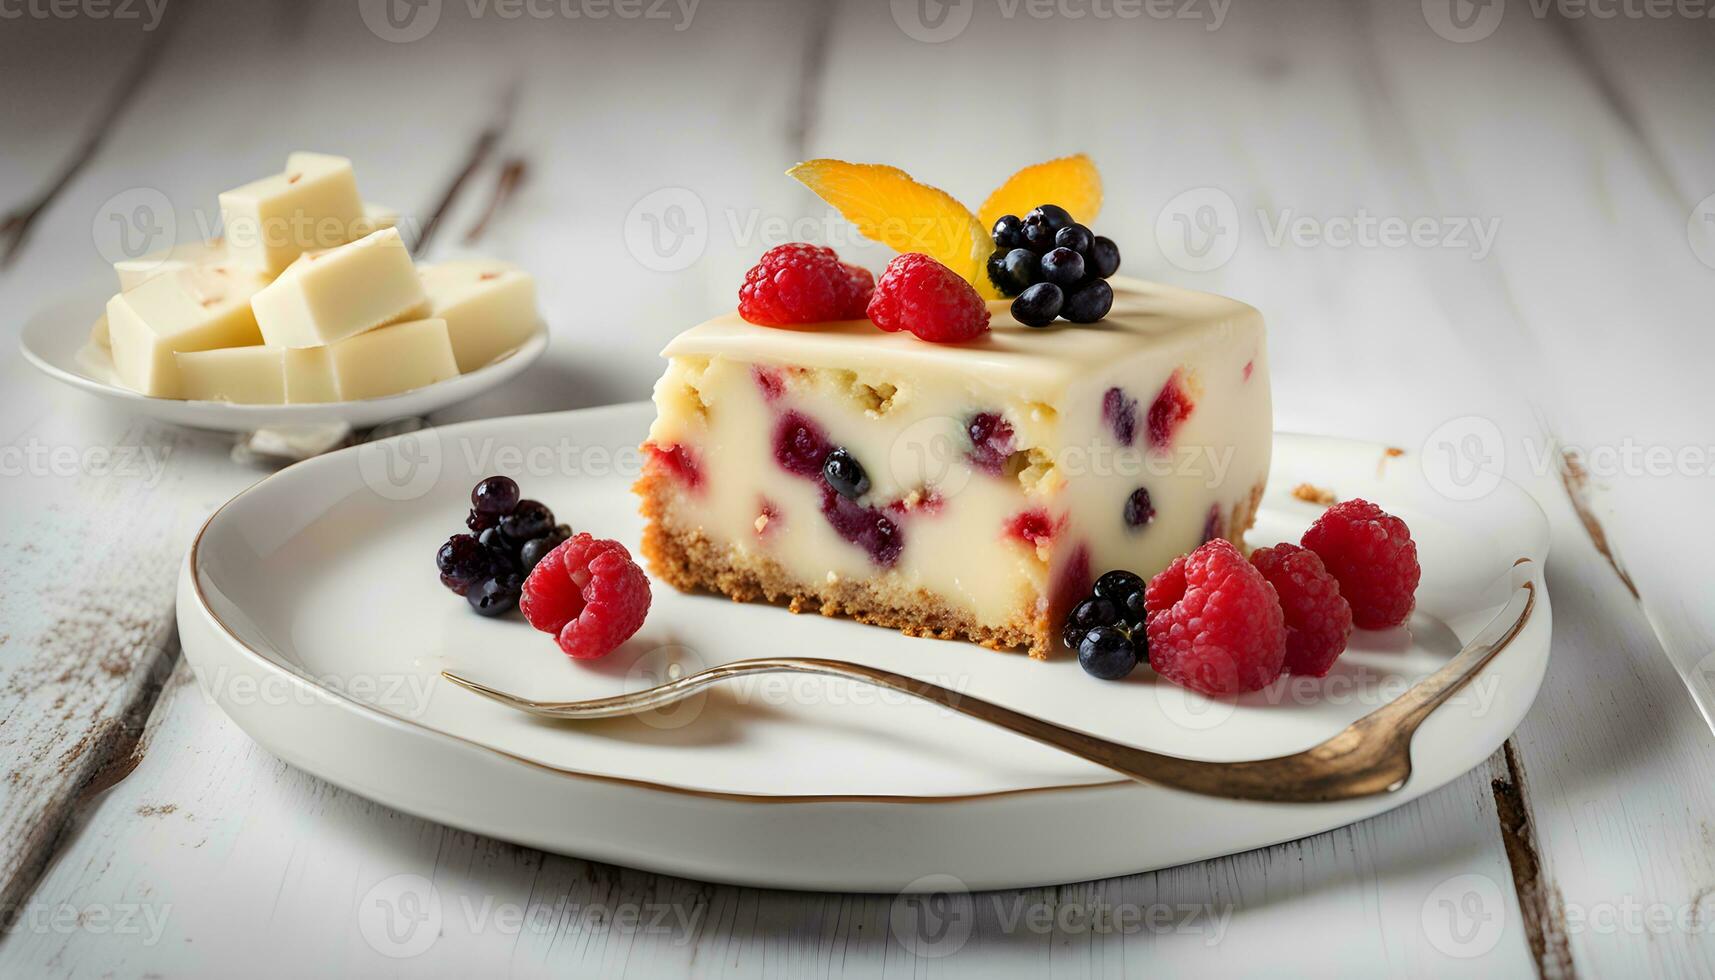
x=991 y=442
x=921 y=295
x=589 y=593
x=1214 y=622
x=1318 y=618
x=677 y=460
x=771 y=382
x=799 y=283
x=1172 y=406
x=800 y=445
x=1371 y=552
x=1033 y=526
x=867 y=527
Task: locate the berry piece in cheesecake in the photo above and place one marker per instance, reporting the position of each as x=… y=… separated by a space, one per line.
x=957 y=491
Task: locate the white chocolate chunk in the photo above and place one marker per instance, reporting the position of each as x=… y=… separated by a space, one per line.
x=489 y=306
x=392 y=359
x=380 y=362
x=193 y=309
x=312 y=204
x=135 y=272
x=329 y=296
x=243 y=375
x=308 y=376
x=375 y=218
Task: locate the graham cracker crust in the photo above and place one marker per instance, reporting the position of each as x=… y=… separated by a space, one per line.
x=687 y=560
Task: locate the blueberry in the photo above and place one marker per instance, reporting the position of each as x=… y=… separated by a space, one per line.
x=502 y=550
x=1107 y=653
x=462 y=562
x=1089 y=302
x=496 y=596
x=1136 y=616
x=536 y=549
x=1038 y=237
x=1103 y=257
x=529 y=519
x=1075 y=237
x=1038 y=305
x=1093 y=612
x=1071 y=635
x=1138 y=509
x=1116 y=585
x=478 y=522
x=1013 y=272
x=1063 y=267
x=1008 y=232
x=496 y=495
x=1052 y=215
x=997 y=269
x=845 y=474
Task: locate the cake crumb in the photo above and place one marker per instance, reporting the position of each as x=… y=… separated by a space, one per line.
x=1391 y=452
x=1313 y=494
x=833 y=578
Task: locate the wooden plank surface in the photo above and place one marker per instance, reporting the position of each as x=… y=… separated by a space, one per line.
x=1581 y=144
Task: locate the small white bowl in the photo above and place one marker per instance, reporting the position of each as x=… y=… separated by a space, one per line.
x=57 y=341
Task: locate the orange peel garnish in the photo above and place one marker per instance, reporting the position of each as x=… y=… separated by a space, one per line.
x=888 y=206
x=1071 y=182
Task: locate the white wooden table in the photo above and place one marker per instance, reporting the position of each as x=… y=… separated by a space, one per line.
x=1543 y=298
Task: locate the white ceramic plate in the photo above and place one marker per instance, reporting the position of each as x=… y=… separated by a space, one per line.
x=56 y=340
x=311 y=612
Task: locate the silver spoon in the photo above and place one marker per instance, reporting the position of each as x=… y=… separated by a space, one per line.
x=1370 y=756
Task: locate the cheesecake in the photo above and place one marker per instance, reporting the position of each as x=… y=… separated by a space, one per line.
x=961 y=491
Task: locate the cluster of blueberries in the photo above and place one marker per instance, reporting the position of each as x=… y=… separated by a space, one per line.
x=508 y=536
x=1107 y=628
x=1053 y=267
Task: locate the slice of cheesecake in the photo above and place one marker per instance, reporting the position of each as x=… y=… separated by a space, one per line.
x=982 y=485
